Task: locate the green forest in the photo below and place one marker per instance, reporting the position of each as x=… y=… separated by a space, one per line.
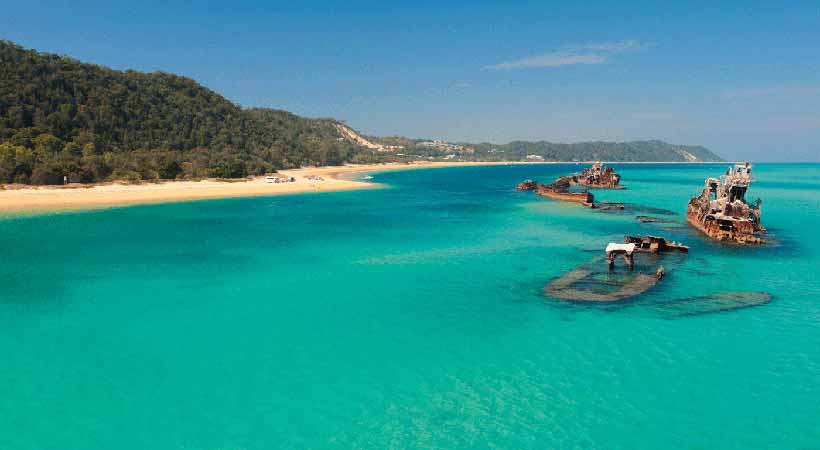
x=596 y=151
x=60 y=117
x=64 y=119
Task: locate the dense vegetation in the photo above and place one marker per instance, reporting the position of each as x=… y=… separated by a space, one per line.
x=60 y=117
x=63 y=118
x=592 y=151
x=549 y=151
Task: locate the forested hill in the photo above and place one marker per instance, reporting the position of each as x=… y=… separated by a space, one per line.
x=62 y=117
x=599 y=151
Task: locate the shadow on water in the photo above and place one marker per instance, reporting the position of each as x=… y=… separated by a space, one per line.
x=779 y=245
x=634 y=208
x=468 y=209
x=776 y=245
x=699 y=272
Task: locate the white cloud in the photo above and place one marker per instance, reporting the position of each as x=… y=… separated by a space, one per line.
x=598 y=53
x=550 y=60
x=617 y=46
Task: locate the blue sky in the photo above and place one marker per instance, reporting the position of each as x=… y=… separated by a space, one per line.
x=742 y=78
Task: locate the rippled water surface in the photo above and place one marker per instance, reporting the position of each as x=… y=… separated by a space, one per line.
x=406 y=317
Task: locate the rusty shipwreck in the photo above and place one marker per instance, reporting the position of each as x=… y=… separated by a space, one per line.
x=558 y=190
x=722 y=212
x=598 y=176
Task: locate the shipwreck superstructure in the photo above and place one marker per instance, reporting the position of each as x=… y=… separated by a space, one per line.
x=722 y=212
x=598 y=176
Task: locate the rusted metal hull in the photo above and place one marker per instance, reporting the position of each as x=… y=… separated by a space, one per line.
x=598 y=177
x=722 y=212
x=655 y=244
x=739 y=233
x=527 y=185
x=598 y=185
x=577 y=197
x=558 y=190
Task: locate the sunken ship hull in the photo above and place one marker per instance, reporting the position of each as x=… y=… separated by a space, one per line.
x=713 y=303
x=558 y=190
x=579 y=197
x=585 y=285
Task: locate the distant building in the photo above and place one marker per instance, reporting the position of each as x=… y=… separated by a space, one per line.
x=444 y=145
x=535 y=158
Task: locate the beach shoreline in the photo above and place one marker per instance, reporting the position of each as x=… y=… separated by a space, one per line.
x=34 y=199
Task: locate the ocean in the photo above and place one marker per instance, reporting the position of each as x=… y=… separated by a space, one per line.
x=412 y=316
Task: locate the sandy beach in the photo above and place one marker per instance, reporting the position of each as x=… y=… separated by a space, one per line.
x=20 y=198
x=17 y=198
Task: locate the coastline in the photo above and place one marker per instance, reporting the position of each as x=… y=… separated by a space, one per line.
x=31 y=199
x=15 y=199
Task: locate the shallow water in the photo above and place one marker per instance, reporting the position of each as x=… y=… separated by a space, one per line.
x=411 y=316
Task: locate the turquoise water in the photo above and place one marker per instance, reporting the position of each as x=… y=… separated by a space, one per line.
x=405 y=317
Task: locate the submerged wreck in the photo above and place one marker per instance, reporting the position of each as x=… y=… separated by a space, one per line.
x=722 y=212
x=712 y=303
x=599 y=177
x=558 y=190
x=596 y=176
x=652 y=219
x=591 y=282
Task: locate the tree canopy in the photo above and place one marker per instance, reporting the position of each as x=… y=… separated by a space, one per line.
x=63 y=118
x=60 y=117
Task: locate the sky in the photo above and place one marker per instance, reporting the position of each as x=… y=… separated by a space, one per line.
x=739 y=77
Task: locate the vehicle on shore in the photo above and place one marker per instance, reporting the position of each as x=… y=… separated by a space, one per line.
x=279 y=179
